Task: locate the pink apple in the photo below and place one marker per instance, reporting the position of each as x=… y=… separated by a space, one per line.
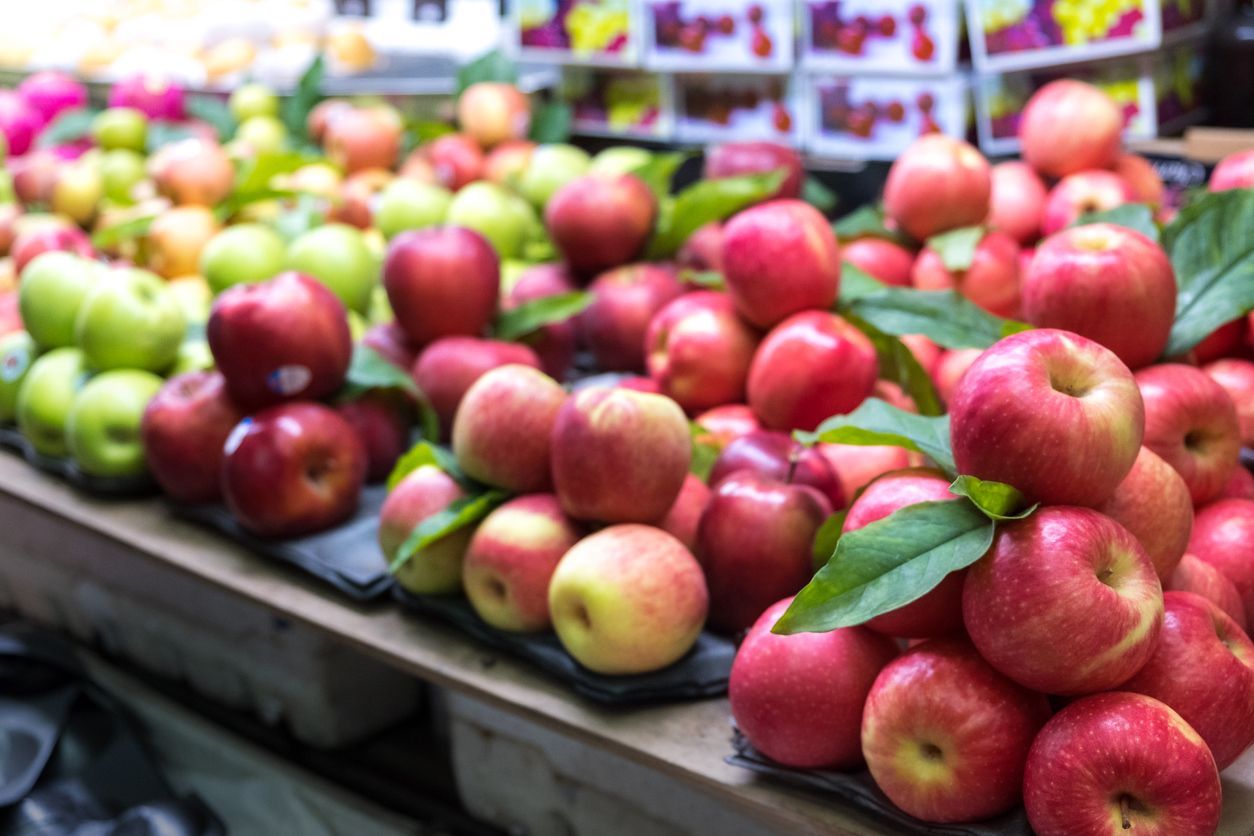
x=505 y=163
x=703 y=250
x=1064 y=572
x=442 y=282
x=1199 y=577
x=511 y=559
x=362 y=138
x=780 y=258
x=926 y=352
x=638 y=383
x=949 y=369
x=184 y=430
x=1152 y=503
x=1227 y=340
x=798 y=699
x=1237 y=379
x=732 y=159
x=1069 y=126
x=33 y=242
x=699 y=351
x=599 y=221
x=554 y=344
x=1235 y=171
x=1140 y=174
x=1017 y=201
x=1036 y=393
x=624 y=301
x=1191 y=422
x=192 y=171
x=1080 y=193
x=448 y=367
x=455 y=159
x=777 y=456
x=724 y=424
x=293 y=469
x=1223 y=536
x=938 y=183
x=1240 y=486
x=809 y=367
x=503 y=429
x=856 y=466
x=945 y=736
x=1121 y=762
x=682 y=519
x=619 y=455
x=280 y=340
x=381 y=419
x=880 y=258
x=437 y=568
x=992 y=280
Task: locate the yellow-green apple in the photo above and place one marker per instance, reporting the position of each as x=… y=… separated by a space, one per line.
x=262 y=134
x=1198 y=576
x=1121 y=763
x=809 y=367
x=31 y=242
x=242 y=254
x=703 y=250
x=1017 y=201
x=624 y=301
x=1079 y=273
x=120 y=128
x=798 y=699
x=1064 y=571
x=1203 y=667
x=734 y=159
x=776 y=456
x=511 y=559
x=619 y=159
x=192 y=171
x=382 y=419
x=724 y=424
x=194 y=356
x=359 y=138
x=51 y=292
x=754 y=542
x=1080 y=193
x=437 y=568
x=292 y=469
x=950 y=366
x=1153 y=504
x=938 y=183
x=496 y=213
x=939 y=612
x=699 y=351
x=946 y=736
x=281 y=340
x=121 y=171
x=184 y=431
x=253 y=99
x=1191 y=422
x=1038 y=392
x=492 y=112
x=45 y=398
x=1144 y=180
x=102 y=431
x=682 y=519
x=855 y=466
x=130 y=320
x=77 y=192
x=554 y=343
x=992 y=280
x=1069 y=126
x=599 y=221
x=619 y=455
x=780 y=258
x=392 y=344
x=879 y=258
x=176 y=239
x=503 y=429
x=193 y=296
x=338 y=256
x=447 y=368
x=442 y=282
x=1223 y=536
x=1235 y=171
x=408 y=204
x=628 y=599
x=455 y=159
x=17 y=353
x=505 y=163
x=551 y=166
x=1236 y=376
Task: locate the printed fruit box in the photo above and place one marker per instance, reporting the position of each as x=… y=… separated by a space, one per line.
x=863 y=117
x=849 y=37
x=712 y=35
x=577 y=31
x=613 y=102
x=716 y=108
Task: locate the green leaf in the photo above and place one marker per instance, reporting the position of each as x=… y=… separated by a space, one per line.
x=111 y=236
x=424 y=453
x=995 y=500
x=866 y=221
x=236 y=201
x=899 y=365
x=1134 y=216
x=550 y=122
x=856 y=283
x=69 y=126
x=530 y=317
x=425 y=130
x=706 y=201
x=660 y=170
x=215 y=111
x=956 y=247
x=879 y=423
x=162 y=133
x=256 y=174
x=491 y=66
x=1213 y=256
x=299 y=219
x=369 y=370
x=704 y=451
x=818 y=195
x=460 y=513
x=296 y=107
x=704 y=279
x=944 y=316
x=826 y=538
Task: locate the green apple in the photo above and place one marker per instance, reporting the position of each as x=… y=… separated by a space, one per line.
x=102 y=429
x=194 y=356
x=45 y=398
x=497 y=214
x=263 y=134
x=194 y=298
x=77 y=192
x=380 y=307
x=130 y=321
x=121 y=170
x=550 y=168
x=120 y=127
x=7 y=194
x=619 y=159
x=242 y=254
x=338 y=256
x=51 y=292
x=408 y=204
x=18 y=353
x=250 y=100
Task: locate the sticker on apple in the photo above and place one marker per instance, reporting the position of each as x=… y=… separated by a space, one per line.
x=289 y=380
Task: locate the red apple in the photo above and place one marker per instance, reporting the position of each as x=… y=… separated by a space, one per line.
x=619 y=455
x=1064 y=572
x=699 y=351
x=945 y=736
x=724 y=424
x=936 y=184
x=554 y=344
x=437 y=568
x=361 y=138
x=624 y=301
x=599 y=221
x=1235 y=171
x=811 y=366
x=192 y=171
x=638 y=383
x=1192 y=423
x=1237 y=379
x=1080 y=193
x=1223 y=536
x=381 y=420
x=880 y=258
x=1152 y=503
x=1199 y=577
x=703 y=250
x=992 y=280
x=358 y=197
x=455 y=159
x=442 y=282
x=323 y=114
x=184 y=430
x=1115 y=763
x=1017 y=201
x=30 y=243
x=1240 y=486
x=293 y=469
x=280 y=340
x=732 y=159
x=682 y=519
x=775 y=455
x=391 y=343
x=924 y=350
x=447 y=368
x=798 y=699
x=505 y=163
x=949 y=369
x=855 y=466
x=1141 y=177
x=1227 y=340
x=1069 y=126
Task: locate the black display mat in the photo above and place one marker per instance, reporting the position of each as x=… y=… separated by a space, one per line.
x=119 y=487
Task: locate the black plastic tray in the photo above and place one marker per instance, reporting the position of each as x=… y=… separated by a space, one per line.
x=702 y=672
x=119 y=487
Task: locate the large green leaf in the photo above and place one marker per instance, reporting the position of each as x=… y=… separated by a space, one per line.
x=816 y=193
x=889 y=563
x=899 y=365
x=856 y=283
x=866 y=222
x=706 y=201
x=1134 y=216
x=295 y=108
x=550 y=121
x=996 y=500
x=956 y=247
x=877 y=422
x=129 y=230
x=421 y=454
x=943 y=316
x=491 y=66
x=530 y=317
x=215 y=111
x=460 y=513
x=660 y=170
x=70 y=125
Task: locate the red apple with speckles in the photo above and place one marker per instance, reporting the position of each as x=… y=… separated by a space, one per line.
x=1223 y=536
x=1080 y=193
x=724 y=424
x=599 y=221
x=554 y=343
x=938 y=183
x=682 y=519
x=949 y=369
x=777 y=456
x=447 y=368
x=1152 y=503
x=1017 y=201
x=624 y=302
x=855 y=466
x=184 y=430
x=733 y=159
x=880 y=258
x=442 y=282
x=698 y=350
x=1068 y=126
x=1201 y=578
x=1237 y=379
x=992 y=280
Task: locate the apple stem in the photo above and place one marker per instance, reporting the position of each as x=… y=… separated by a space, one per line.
x=1124 y=806
x=794 y=458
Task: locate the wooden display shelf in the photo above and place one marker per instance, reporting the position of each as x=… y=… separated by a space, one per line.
x=685 y=742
